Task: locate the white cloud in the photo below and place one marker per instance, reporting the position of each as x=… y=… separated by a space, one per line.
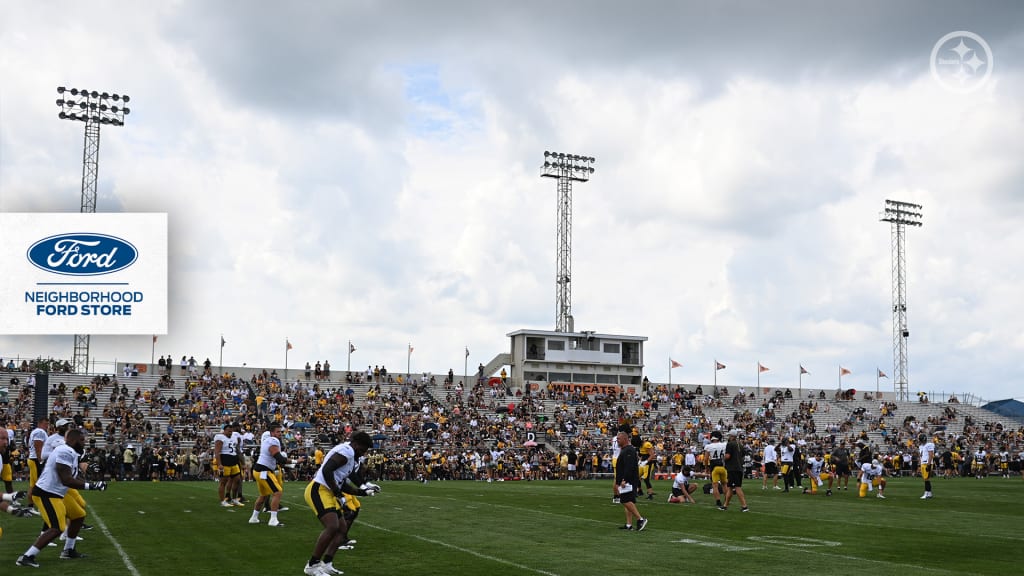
x=383 y=188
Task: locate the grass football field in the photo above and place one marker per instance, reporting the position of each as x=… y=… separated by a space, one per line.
x=549 y=528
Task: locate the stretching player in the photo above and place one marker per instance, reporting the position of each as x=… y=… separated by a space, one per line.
x=872 y=476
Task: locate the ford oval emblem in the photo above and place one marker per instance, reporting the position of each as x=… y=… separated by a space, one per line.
x=82 y=254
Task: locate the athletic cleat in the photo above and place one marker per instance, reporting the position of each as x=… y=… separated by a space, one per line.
x=616 y=500
x=880 y=495
x=346 y=547
x=777 y=488
x=314 y=569
x=350 y=543
x=641 y=524
x=722 y=508
x=274 y=522
x=828 y=493
x=225 y=504
x=254 y=520
x=235 y=502
x=625 y=527
x=24 y=560
x=328 y=568
x=650 y=496
x=72 y=554
x=744 y=509
x=86 y=526
x=283 y=509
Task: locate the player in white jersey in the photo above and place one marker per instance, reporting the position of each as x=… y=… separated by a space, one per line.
x=872 y=476
x=36 y=440
x=818 y=474
x=771 y=466
x=681 y=487
x=271 y=457
x=787 y=451
x=55 y=439
x=239 y=439
x=53 y=499
x=927 y=450
x=324 y=496
x=615 y=458
x=716 y=463
x=225 y=462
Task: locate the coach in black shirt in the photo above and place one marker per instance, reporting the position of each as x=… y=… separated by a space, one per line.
x=627 y=481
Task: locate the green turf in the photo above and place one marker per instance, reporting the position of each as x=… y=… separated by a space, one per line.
x=554 y=528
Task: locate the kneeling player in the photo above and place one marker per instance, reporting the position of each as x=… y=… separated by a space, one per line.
x=681 y=487
x=872 y=477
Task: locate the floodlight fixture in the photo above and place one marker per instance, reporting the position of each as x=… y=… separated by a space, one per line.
x=900 y=215
x=566 y=168
x=95 y=109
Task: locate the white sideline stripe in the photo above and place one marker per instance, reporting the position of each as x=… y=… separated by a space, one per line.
x=117 y=545
x=463 y=550
x=452 y=546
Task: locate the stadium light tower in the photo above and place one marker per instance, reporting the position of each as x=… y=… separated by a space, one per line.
x=95 y=109
x=566 y=168
x=900 y=215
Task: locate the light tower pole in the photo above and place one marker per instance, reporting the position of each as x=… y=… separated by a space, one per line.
x=900 y=215
x=94 y=108
x=566 y=168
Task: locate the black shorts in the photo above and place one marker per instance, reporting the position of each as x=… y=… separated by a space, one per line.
x=628 y=497
x=735 y=478
x=842 y=469
x=771 y=469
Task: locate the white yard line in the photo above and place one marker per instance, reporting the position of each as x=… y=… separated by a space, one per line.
x=117 y=545
x=447 y=545
x=463 y=550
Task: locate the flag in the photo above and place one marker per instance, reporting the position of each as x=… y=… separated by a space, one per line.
x=881 y=374
x=351 y=348
x=674 y=364
x=222 y=341
x=761 y=368
x=154 y=338
x=287 y=344
x=719 y=365
x=410 y=348
x=467 y=352
x=843 y=371
x=803 y=370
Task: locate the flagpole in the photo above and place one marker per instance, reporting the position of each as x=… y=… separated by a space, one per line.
x=408 y=361
x=465 y=368
x=286 y=358
x=759 y=377
x=152 y=353
x=669 y=372
x=348 y=367
x=220 y=364
x=801 y=384
x=876 y=382
x=715 y=367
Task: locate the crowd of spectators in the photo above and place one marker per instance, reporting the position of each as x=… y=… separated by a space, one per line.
x=482 y=429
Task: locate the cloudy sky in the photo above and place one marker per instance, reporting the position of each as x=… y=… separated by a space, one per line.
x=368 y=171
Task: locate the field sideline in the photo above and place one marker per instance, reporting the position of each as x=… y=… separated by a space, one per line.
x=551 y=528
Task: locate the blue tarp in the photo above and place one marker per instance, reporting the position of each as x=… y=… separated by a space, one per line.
x=1010 y=407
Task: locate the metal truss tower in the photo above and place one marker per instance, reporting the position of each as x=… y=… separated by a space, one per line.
x=94 y=108
x=900 y=215
x=566 y=168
